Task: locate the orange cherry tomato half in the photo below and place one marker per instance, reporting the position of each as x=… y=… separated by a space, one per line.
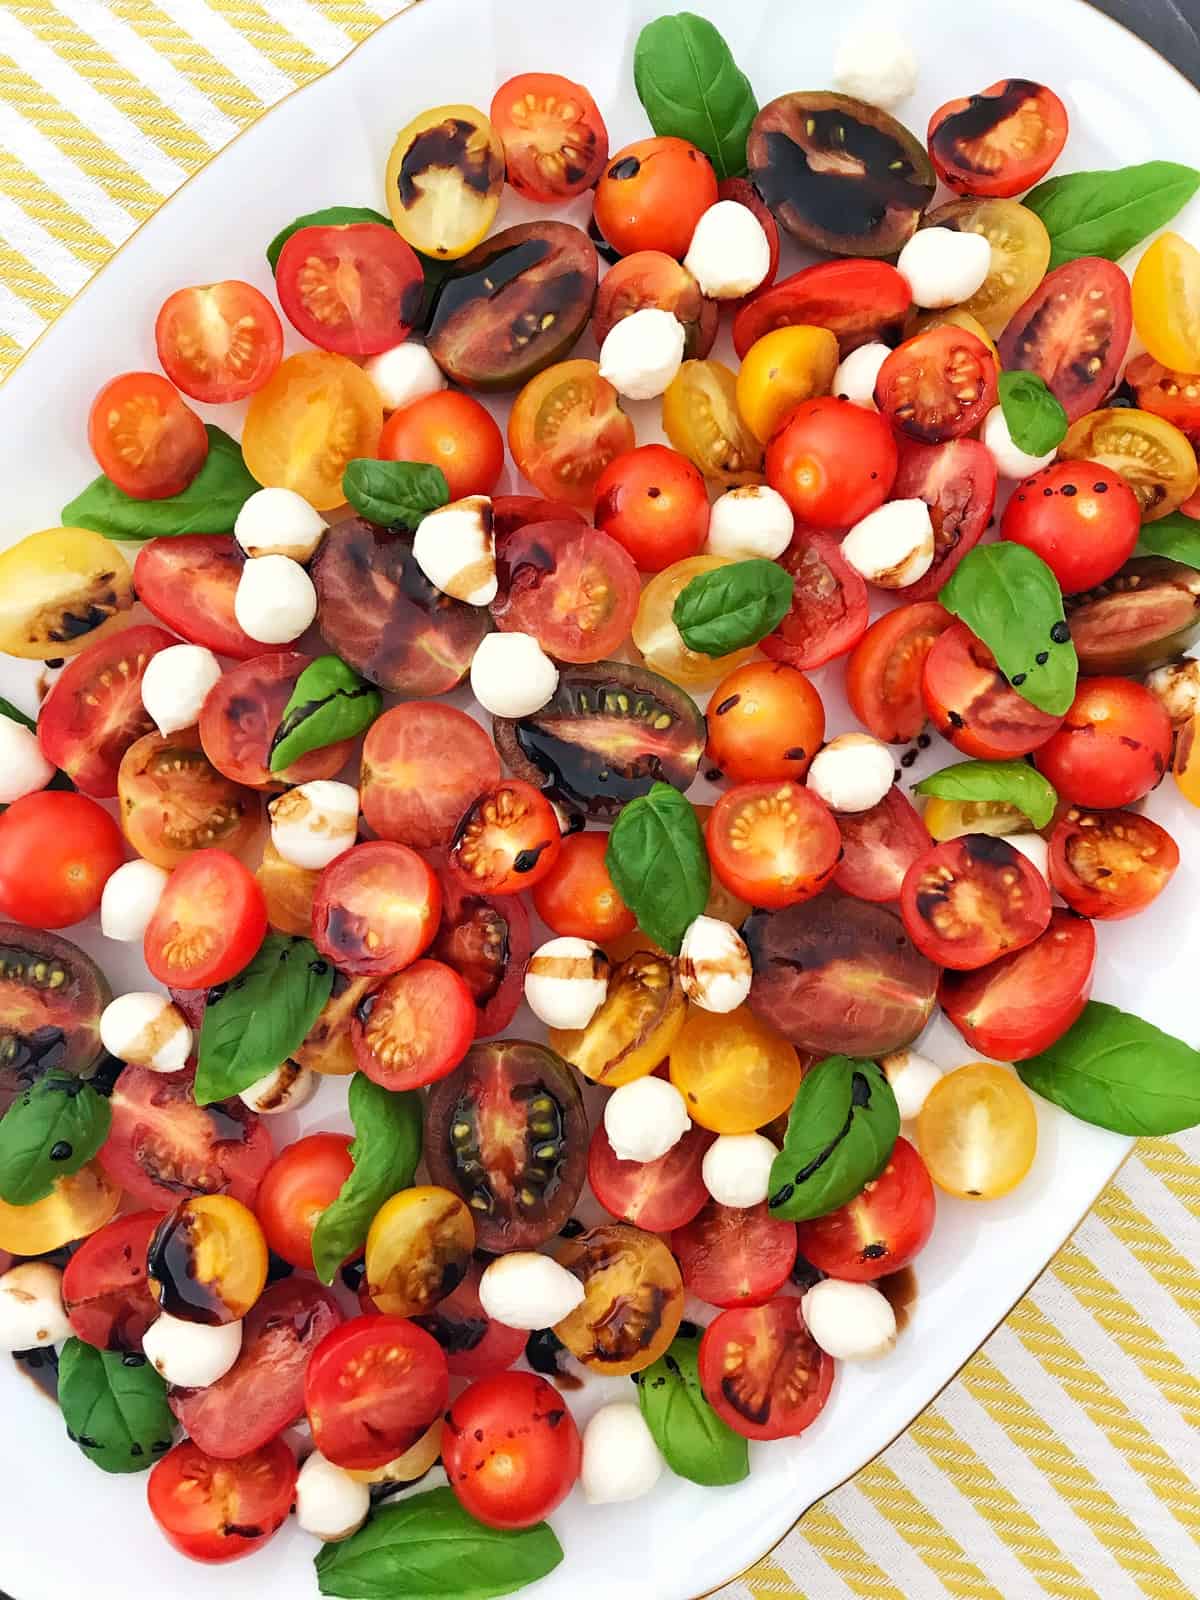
x=885 y=670
x=652 y=194
x=1109 y=864
x=972 y=899
x=773 y=844
x=564 y=428
x=452 y=431
x=144 y=437
x=416 y=1027
x=301 y=1183
x=189 y=582
x=215 y=1511
x=209 y=923
x=554 y=138
x=508 y=840
x=218 y=341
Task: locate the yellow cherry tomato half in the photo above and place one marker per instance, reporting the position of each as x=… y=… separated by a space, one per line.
x=978 y=1131
x=634 y=1028
x=633 y=1299
x=660 y=641
x=207 y=1260
x=60 y=591
x=1186 y=768
x=316 y=413
x=418 y=1250
x=950 y=819
x=289 y=891
x=74 y=1208
x=735 y=1072
x=1020 y=255
x=444 y=178
x=1150 y=453
x=780 y=370
x=701 y=418
x=1166 y=302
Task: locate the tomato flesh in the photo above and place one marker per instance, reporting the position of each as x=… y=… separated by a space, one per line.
x=218 y=341
x=655 y=1195
x=1109 y=864
x=861 y=302
x=354 y=288
x=885 y=670
x=487 y=941
x=1114 y=745
x=1073 y=331
x=476 y=1345
x=371 y=1389
x=878 y=847
x=422 y=766
x=762 y=1372
x=209 y=923
x=415 y=1028
x=880 y=1230
x=829 y=608
x=215 y=1511
x=376 y=908
x=296 y=1188
x=106 y=1294
x=999 y=142
x=189 y=583
x=773 y=844
x=735 y=1256
x=574 y=589
x=146 y=440
x=508 y=840
x=970 y=900
x=972 y=704
x=938 y=385
x=957 y=481
x=555 y=141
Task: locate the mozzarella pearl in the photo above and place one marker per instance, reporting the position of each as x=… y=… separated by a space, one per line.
x=31 y=1307
x=892 y=546
x=566 y=982
x=191 y=1355
x=754 y=520
x=1177 y=690
x=642 y=353
x=1034 y=848
x=329 y=1502
x=729 y=254
x=852 y=773
x=279 y=522
x=129 y=899
x=620 y=1458
x=912 y=1077
x=850 y=1321
x=511 y=675
x=1011 y=461
x=314 y=822
x=943 y=266
x=175 y=685
x=644 y=1119
x=876 y=65
x=456 y=550
x=714 y=965
x=288 y=1088
x=23 y=767
x=275 y=600
x=405 y=373
x=146 y=1030
x=855 y=378
x=737 y=1169
x=528 y=1290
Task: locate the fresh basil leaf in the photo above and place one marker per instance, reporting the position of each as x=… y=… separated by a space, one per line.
x=257 y=1020
x=1036 y=420
x=732 y=607
x=692 y=88
x=657 y=860
x=1010 y=599
x=428 y=1548
x=843 y=1124
x=1107 y=213
x=385 y=1153
x=327 y=217
x=15 y=714
x=394 y=494
x=694 y=1441
x=1174 y=536
x=48 y=1132
x=1015 y=783
x=330 y=702
x=209 y=504
x=1116 y=1071
x=115 y=1407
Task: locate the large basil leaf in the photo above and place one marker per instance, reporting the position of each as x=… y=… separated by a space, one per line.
x=1107 y=213
x=694 y=1441
x=732 y=607
x=1174 y=536
x=209 y=504
x=327 y=217
x=394 y=494
x=657 y=860
x=843 y=1124
x=253 y=1023
x=48 y=1132
x=330 y=702
x=1037 y=422
x=1013 y=783
x=115 y=1407
x=692 y=88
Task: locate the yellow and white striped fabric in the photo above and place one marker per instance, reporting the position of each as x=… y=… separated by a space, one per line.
x=1065 y=1459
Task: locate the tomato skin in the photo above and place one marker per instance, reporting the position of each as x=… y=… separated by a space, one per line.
x=173 y=801
x=240 y=718
x=422 y=766
x=564 y=428
x=735 y=1257
x=1081 y=517
x=452 y=431
x=765 y=722
x=986 y=145
x=1174 y=396
x=653 y=502
x=652 y=194
x=878 y=847
x=881 y=1229
x=513 y=511
x=508 y=840
x=938 y=385
x=829 y=604
x=476 y=1345
x=957 y=481
x=972 y=704
x=762 y=1372
x=416 y=1028
x=297 y=1187
x=218 y=341
x=859 y=301
x=574 y=589
x=105 y=1291
x=1109 y=864
x=1112 y=748
x=657 y=1196
x=650 y=279
x=832 y=462
x=315 y=414
x=886 y=667
x=773 y=844
x=387 y=1361
x=511 y=1449
x=215 y=1511
x=57 y=851
x=487 y=941
x=555 y=141
x=210 y=921
x=144 y=438
x=577 y=897
x=969 y=900
x=354 y=288
x=189 y=583
x=1060 y=345
x=376 y=908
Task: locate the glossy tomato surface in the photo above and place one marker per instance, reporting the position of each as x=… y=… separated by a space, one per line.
x=860 y=302
x=242 y=714
x=1080 y=517
x=216 y=1511
x=354 y=287
x=1110 y=864
x=970 y=900
x=416 y=1027
x=555 y=141
x=577 y=896
x=106 y=1294
x=655 y=1195
x=972 y=704
x=145 y=439
x=1073 y=331
x=508 y=840
x=957 y=481
x=878 y=847
x=832 y=462
x=208 y=924
x=653 y=502
x=564 y=428
x=652 y=194
x=173 y=801
x=879 y=1231
x=189 y=583
x=938 y=385
x=1112 y=748
x=218 y=341
x=773 y=844
x=371 y=1388
x=649 y=279
x=762 y=1372
x=886 y=668
x=511 y=1449
x=765 y=722
x=575 y=590
x=829 y=608
x=735 y=1256
x=486 y=939
x=57 y=851
x=1000 y=141
x=376 y=908
x=475 y=1344
x=301 y=1183
x=423 y=764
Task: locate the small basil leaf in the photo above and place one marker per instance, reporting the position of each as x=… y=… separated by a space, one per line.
x=1010 y=599
x=253 y=1023
x=1012 y=782
x=328 y=217
x=1174 y=536
x=1107 y=213
x=385 y=1153
x=428 y=1548
x=1036 y=420
x=692 y=88
x=209 y=504
x=330 y=702
x=1116 y=1071
x=394 y=494
x=732 y=607
x=114 y=1406
x=48 y=1132
x=657 y=860
x=694 y=1441
x=843 y=1124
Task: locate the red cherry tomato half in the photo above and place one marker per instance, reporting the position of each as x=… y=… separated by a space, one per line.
x=653 y=502
x=210 y=921
x=215 y=1511
x=241 y=716
x=452 y=431
x=564 y=428
x=105 y=1291
x=1073 y=331
x=57 y=851
x=860 y=302
x=832 y=462
x=354 y=288
x=486 y=939
x=1110 y=864
x=744 y=192
x=423 y=763
x=416 y=1028
x=829 y=604
x=880 y=1230
x=1021 y=1004
x=574 y=589
x=999 y=142
x=973 y=705
x=508 y=841
x=475 y=1345
x=762 y=1372
x=656 y=1196
x=879 y=846
x=376 y=908
x=938 y=385
x=1082 y=518
x=1174 y=396
x=652 y=194
x=957 y=481
x=1112 y=748
x=513 y=511
x=146 y=440
x=511 y=1449
x=554 y=138
x=773 y=844
x=577 y=897
x=884 y=673
x=297 y=1187
x=218 y=341
x=189 y=583
x=372 y=1388
x=734 y=1256
x=970 y=900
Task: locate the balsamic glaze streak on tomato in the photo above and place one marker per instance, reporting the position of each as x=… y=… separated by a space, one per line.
x=835 y=200
x=446 y=147
x=860 y=1096
x=963 y=131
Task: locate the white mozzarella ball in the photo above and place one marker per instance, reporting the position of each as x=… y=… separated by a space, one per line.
x=405 y=373
x=329 y=1502
x=279 y=522
x=850 y=1321
x=129 y=899
x=146 y=1030
x=852 y=773
x=191 y=1355
x=511 y=675
x=1034 y=848
x=730 y=254
x=877 y=65
x=642 y=353
x=644 y=1119
x=714 y=965
x=1177 y=690
x=528 y=1290
x=893 y=545
x=566 y=982
x=754 y=520
x=620 y=1458
x=275 y=600
x=1011 y=461
x=912 y=1077
x=855 y=378
x=737 y=1169
x=175 y=685
x=31 y=1307
x=455 y=548
x=23 y=768
x=314 y=822
x=943 y=266
x=287 y=1088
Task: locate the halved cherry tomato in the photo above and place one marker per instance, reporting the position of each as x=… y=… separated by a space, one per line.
x=765 y=723
x=1155 y=459
x=443 y=180
x=511 y=1449
x=218 y=341
x=476 y=1345
x=938 y=385
x=658 y=638
x=57 y=851
x=216 y=1511
x=881 y=1229
x=744 y=192
x=1000 y=141
x=1108 y=864
x=701 y=419
x=762 y=1372
x=633 y=1299
x=832 y=462
x=655 y=1195
x=1174 y=396
x=733 y=1256
x=507 y=841
x=423 y=763
x=513 y=511
x=957 y=481
x=354 y=287
x=61 y=589
x=978 y=1131
x=486 y=940
x=653 y=502
x=146 y=440
x=105 y=1290
x=1166 y=302
x=241 y=716
x=773 y=844
x=652 y=194
x=301 y=1183
x=452 y=431
x=316 y=413
x=1020 y=255
x=189 y=583
x=416 y=1028
x=372 y=1388
x=288 y=890
x=860 y=302
x=208 y=1260
x=1112 y=748
x=418 y=1249
x=578 y=898
x=883 y=675
x=174 y=801
x=1082 y=518
x=970 y=900
x=75 y=1207
x=327 y=1047
x=208 y=924
x=555 y=141
x=780 y=371
x=648 y=278
x=564 y=428
x=733 y=1069
x=376 y=908
x=878 y=847
x=972 y=703
x=829 y=604
x=574 y=589
x=1073 y=331
x=1020 y=1004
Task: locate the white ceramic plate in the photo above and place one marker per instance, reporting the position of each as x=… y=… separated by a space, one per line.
x=62 y=1523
